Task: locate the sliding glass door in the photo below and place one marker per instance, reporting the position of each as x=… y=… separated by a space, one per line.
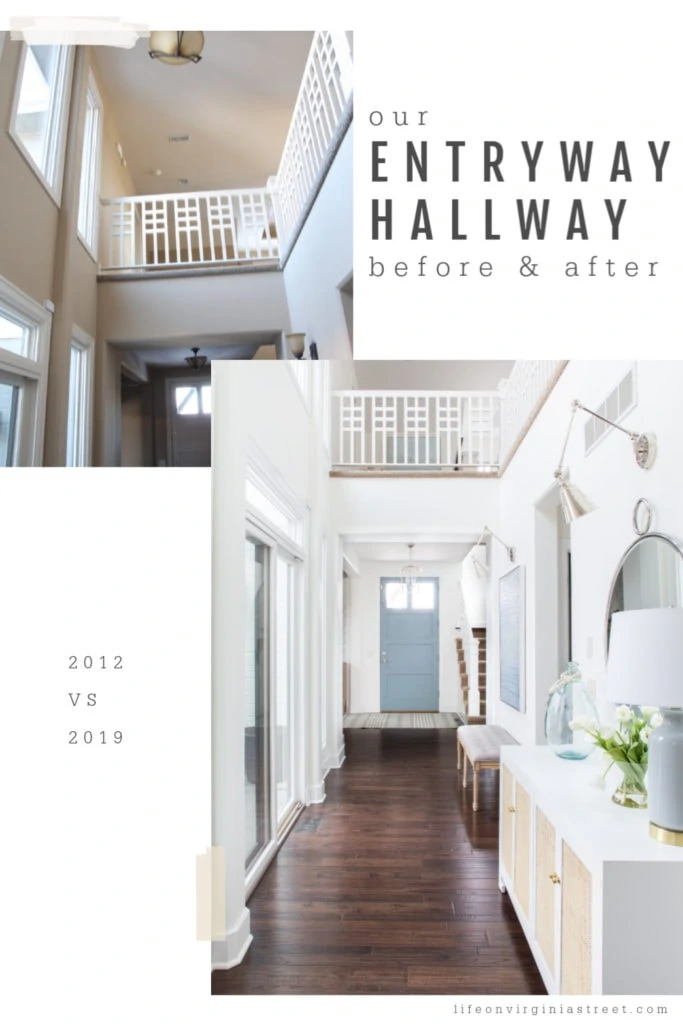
x=256 y=735
x=272 y=786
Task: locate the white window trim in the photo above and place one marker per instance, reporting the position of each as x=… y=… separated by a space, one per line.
x=60 y=111
x=265 y=478
x=83 y=444
x=93 y=187
x=32 y=370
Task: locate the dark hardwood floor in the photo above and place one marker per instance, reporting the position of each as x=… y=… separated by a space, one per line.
x=390 y=886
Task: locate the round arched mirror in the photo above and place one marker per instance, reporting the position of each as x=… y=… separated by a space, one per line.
x=650 y=575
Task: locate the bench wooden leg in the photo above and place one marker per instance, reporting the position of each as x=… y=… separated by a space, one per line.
x=459 y=753
x=475 y=787
x=464 y=770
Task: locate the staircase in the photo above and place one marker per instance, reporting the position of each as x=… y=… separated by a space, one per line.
x=480 y=635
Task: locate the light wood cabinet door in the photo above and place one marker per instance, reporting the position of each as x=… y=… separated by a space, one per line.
x=507 y=815
x=522 y=875
x=545 y=889
x=576 y=950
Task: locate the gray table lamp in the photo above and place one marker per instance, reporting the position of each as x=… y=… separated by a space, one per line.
x=645 y=667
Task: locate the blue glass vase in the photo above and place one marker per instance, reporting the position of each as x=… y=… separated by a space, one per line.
x=569 y=698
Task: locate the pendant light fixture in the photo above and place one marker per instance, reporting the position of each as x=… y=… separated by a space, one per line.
x=195 y=361
x=411 y=571
x=176 y=47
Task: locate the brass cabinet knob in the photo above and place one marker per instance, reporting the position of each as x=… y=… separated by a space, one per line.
x=512 y=810
x=554 y=878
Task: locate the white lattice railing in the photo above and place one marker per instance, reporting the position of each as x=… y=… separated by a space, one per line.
x=325 y=92
x=189 y=228
x=416 y=429
x=525 y=392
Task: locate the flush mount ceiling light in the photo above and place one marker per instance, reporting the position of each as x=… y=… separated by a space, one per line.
x=176 y=47
x=195 y=361
x=574 y=502
x=411 y=571
x=480 y=568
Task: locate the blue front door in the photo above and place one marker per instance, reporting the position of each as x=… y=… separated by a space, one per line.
x=409 y=645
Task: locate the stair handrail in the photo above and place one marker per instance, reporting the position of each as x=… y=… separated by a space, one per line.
x=470 y=645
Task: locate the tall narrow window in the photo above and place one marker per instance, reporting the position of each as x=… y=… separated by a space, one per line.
x=90 y=168
x=40 y=109
x=284 y=687
x=79 y=422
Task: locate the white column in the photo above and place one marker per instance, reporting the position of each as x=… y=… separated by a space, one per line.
x=228 y=653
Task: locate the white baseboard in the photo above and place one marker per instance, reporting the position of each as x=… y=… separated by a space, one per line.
x=231 y=951
x=334 y=761
x=316 y=794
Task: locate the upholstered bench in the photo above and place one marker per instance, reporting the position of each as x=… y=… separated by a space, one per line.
x=480 y=745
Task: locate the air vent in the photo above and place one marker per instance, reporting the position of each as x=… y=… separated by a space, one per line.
x=183 y=181
x=179 y=138
x=620 y=401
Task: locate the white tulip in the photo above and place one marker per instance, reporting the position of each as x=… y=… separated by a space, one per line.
x=624 y=713
x=645 y=733
x=648 y=712
x=656 y=720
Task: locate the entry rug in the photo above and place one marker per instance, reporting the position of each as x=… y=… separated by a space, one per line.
x=404 y=720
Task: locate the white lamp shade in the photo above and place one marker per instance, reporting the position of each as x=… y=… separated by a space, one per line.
x=645 y=660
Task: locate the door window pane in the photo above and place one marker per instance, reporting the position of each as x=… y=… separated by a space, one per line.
x=14 y=337
x=206 y=398
x=396 y=595
x=9 y=405
x=257 y=830
x=423 y=595
x=187 y=401
x=283 y=686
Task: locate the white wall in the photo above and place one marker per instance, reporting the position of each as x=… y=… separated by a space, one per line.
x=610 y=477
x=322 y=260
x=258 y=404
x=474 y=589
x=448 y=506
x=364 y=634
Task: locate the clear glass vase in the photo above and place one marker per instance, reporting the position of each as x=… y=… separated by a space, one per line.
x=632 y=788
x=569 y=698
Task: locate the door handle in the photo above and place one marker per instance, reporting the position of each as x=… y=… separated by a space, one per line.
x=383 y=657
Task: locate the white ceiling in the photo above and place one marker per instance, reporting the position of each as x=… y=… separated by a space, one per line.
x=391 y=551
x=236 y=104
x=172 y=351
x=432 y=374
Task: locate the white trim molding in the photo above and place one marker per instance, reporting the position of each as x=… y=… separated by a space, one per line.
x=231 y=951
x=28 y=370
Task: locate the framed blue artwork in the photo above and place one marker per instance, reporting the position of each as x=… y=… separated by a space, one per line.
x=512 y=638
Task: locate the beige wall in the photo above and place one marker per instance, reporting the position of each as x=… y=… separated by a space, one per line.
x=46 y=259
x=28 y=215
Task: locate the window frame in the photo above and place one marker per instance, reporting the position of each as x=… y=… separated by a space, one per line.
x=84 y=425
x=29 y=371
x=58 y=118
x=92 y=152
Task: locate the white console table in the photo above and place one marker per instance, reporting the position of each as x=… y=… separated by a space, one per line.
x=600 y=902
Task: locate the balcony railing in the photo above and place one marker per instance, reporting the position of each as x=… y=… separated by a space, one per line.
x=190 y=228
x=416 y=430
x=324 y=97
x=248 y=225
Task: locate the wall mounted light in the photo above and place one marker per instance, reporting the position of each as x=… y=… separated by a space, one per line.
x=297 y=346
x=573 y=501
x=480 y=568
x=176 y=47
